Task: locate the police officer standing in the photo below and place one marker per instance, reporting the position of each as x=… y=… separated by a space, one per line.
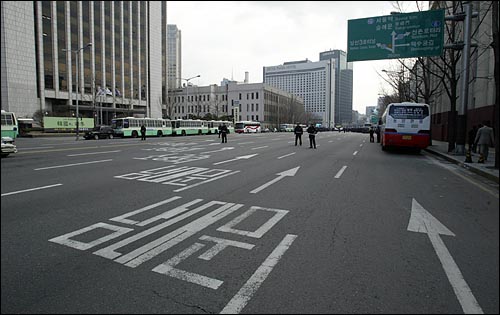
x=143 y=132
x=298 y=134
x=223 y=132
x=312 y=136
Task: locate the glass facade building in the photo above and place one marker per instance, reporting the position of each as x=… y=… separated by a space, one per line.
x=122 y=73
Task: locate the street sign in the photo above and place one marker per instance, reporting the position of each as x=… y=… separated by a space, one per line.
x=405 y=35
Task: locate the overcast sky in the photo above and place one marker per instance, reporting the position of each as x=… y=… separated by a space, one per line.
x=223 y=39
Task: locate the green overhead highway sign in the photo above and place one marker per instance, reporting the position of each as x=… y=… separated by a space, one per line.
x=405 y=35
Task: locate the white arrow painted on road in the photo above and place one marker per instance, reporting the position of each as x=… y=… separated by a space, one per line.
x=244 y=157
x=290 y=172
x=422 y=221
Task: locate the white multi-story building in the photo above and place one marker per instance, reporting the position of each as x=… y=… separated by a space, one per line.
x=343 y=85
x=255 y=101
x=174 y=57
x=123 y=71
x=314 y=82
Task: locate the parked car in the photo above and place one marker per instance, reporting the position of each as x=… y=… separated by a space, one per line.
x=8 y=146
x=100 y=132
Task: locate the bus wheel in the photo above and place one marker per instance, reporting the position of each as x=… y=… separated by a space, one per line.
x=134 y=134
x=159 y=133
x=199 y=132
x=183 y=133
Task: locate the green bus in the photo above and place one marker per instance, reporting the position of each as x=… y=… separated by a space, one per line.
x=131 y=127
x=10 y=127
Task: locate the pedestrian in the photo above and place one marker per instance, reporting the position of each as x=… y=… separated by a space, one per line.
x=143 y=132
x=371 y=135
x=223 y=132
x=377 y=132
x=298 y=134
x=485 y=139
x=219 y=128
x=472 y=138
x=312 y=136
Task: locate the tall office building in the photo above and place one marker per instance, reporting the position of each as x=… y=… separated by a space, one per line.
x=122 y=73
x=174 y=57
x=343 y=85
x=314 y=82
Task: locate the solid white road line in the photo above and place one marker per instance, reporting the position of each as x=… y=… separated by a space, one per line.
x=260 y=147
x=58 y=166
x=341 y=171
x=240 y=300
x=31 y=189
x=94 y=153
x=355 y=152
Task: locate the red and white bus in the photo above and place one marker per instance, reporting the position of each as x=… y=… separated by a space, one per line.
x=247 y=126
x=406 y=125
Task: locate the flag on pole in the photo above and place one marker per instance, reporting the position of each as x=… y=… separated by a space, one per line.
x=117 y=92
x=100 y=91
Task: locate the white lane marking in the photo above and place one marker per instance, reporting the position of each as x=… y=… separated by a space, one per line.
x=260 y=147
x=206 y=181
x=455 y=171
x=355 y=152
x=240 y=300
x=95 y=153
x=421 y=221
x=67 y=165
x=240 y=143
x=290 y=172
x=341 y=171
x=244 y=157
x=361 y=145
x=31 y=189
x=284 y=156
x=330 y=141
x=35 y=148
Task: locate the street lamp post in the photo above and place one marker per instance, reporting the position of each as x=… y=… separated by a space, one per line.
x=187 y=86
x=77 y=64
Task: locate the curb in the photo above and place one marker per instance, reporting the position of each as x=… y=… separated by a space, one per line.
x=465 y=165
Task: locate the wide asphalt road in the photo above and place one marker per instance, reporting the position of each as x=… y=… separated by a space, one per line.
x=255 y=225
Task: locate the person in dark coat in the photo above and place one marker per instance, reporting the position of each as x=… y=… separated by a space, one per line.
x=371 y=135
x=312 y=136
x=143 y=132
x=223 y=132
x=377 y=132
x=298 y=134
x=472 y=137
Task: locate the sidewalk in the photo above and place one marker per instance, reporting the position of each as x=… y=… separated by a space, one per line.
x=487 y=169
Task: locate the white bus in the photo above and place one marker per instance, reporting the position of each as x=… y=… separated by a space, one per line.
x=184 y=127
x=131 y=127
x=213 y=126
x=406 y=125
x=247 y=126
x=10 y=127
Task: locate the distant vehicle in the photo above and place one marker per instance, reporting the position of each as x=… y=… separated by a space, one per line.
x=286 y=127
x=131 y=127
x=247 y=126
x=10 y=127
x=8 y=146
x=406 y=125
x=100 y=132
